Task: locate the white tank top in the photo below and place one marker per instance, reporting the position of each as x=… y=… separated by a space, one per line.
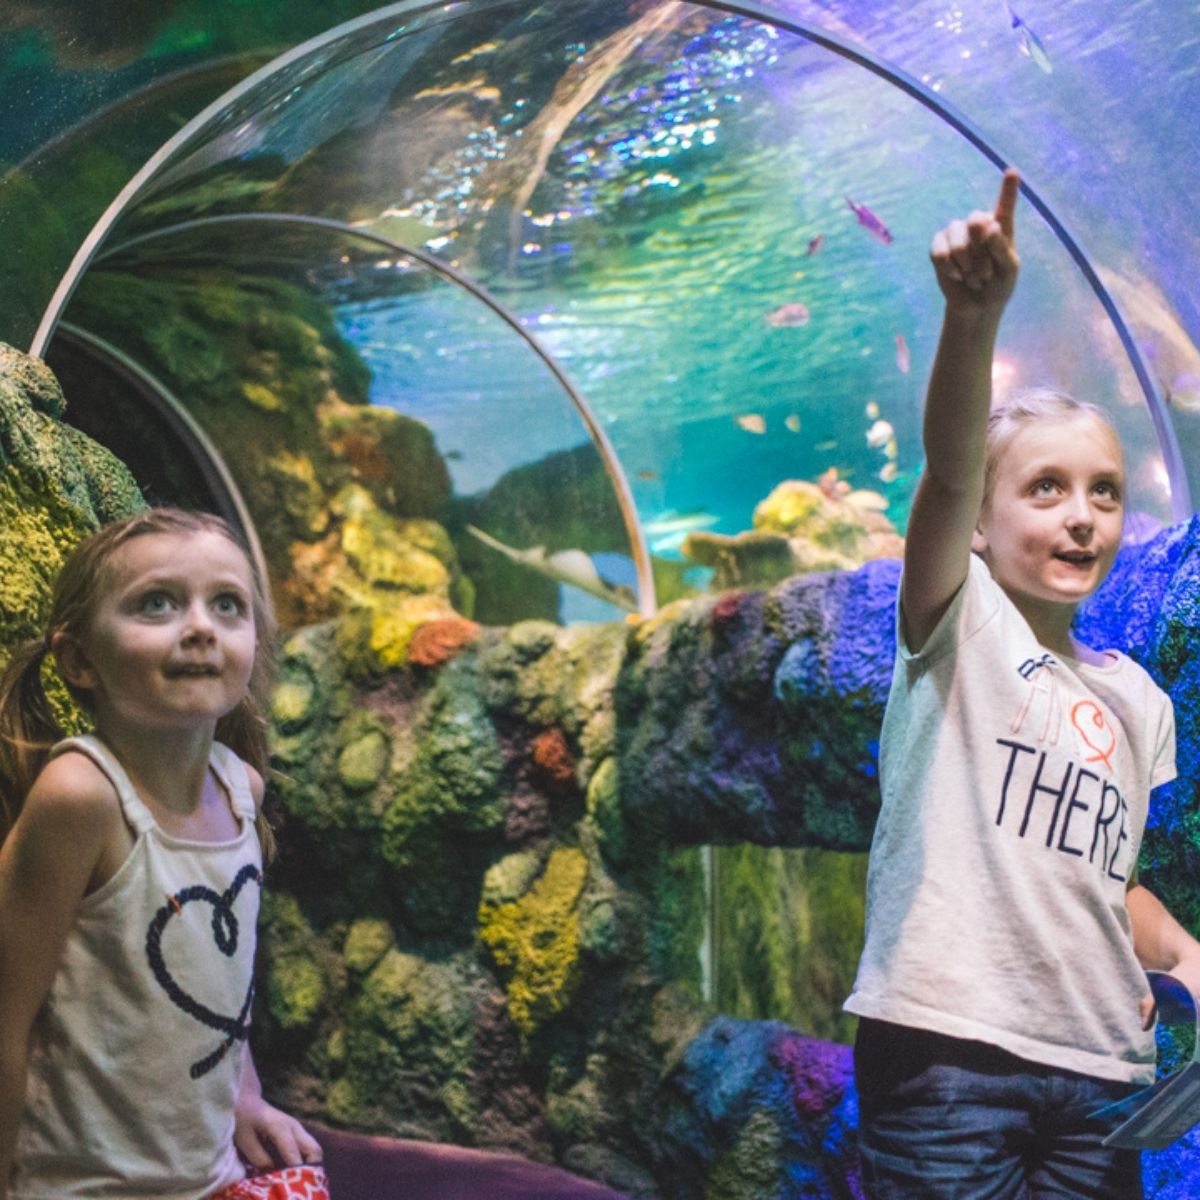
x=136 y=1054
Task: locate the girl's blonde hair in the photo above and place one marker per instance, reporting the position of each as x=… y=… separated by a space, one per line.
x=1023 y=408
x=29 y=724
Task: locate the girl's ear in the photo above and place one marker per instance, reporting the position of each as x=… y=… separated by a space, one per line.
x=978 y=541
x=73 y=663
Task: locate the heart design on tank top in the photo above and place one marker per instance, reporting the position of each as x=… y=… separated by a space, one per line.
x=225 y=938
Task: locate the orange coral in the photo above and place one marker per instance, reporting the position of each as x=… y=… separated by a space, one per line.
x=437 y=642
x=550 y=753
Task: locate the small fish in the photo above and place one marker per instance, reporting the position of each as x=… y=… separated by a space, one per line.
x=668 y=531
x=832 y=485
x=648 y=476
x=870 y=222
x=788 y=315
x=825 y=447
x=879 y=433
x=792 y=421
x=903 y=357
x=752 y=422
x=572 y=567
x=671 y=521
x=1031 y=45
x=888 y=472
x=891 y=449
x=814 y=244
x=872 y=409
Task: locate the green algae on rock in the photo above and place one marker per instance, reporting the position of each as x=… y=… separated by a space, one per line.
x=56 y=487
x=536 y=940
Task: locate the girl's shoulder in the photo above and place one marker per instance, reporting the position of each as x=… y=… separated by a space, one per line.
x=71 y=823
x=73 y=786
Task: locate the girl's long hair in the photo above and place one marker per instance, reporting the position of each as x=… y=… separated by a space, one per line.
x=29 y=722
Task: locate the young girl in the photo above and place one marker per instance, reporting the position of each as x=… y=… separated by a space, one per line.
x=1001 y=987
x=130 y=876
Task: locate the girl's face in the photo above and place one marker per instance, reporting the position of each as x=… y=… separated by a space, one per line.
x=1052 y=526
x=171 y=639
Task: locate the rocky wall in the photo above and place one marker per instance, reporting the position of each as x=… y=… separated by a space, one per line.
x=522 y=847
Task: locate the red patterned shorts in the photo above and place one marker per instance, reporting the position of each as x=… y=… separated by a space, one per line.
x=307 y=1182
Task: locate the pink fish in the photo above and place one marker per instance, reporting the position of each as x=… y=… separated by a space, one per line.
x=787 y=315
x=870 y=222
x=903 y=358
x=815 y=244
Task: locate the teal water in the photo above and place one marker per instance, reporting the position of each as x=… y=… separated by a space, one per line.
x=703 y=189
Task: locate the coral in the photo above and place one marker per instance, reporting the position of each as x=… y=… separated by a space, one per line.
x=408 y=1046
x=552 y=757
x=535 y=940
x=348 y=509
x=758 y=1110
x=604 y=811
x=367 y=940
x=800 y=527
x=362 y=762
x=437 y=642
x=374 y=443
x=453 y=781
x=526 y=817
x=296 y=990
x=57 y=486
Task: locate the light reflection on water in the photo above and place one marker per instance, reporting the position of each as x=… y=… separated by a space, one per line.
x=676 y=214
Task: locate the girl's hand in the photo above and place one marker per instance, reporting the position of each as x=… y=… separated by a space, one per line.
x=268 y=1138
x=976 y=259
x=1187 y=971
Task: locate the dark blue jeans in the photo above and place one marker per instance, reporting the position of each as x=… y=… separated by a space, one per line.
x=946 y=1119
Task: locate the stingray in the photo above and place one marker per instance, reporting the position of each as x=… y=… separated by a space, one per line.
x=572 y=567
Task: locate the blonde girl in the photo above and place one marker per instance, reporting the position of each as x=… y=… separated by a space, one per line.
x=1001 y=988
x=130 y=876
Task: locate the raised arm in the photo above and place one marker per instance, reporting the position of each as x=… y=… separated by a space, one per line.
x=976 y=266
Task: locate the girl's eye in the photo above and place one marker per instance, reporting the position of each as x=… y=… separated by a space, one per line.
x=230 y=605
x=1110 y=490
x=1044 y=487
x=154 y=604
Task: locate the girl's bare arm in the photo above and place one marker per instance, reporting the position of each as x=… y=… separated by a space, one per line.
x=976 y=265
x=47 y=864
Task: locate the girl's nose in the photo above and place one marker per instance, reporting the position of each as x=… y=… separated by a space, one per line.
x=198 y=625
x=1079 y=516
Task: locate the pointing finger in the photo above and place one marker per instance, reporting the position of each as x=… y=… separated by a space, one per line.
x=1006 y=202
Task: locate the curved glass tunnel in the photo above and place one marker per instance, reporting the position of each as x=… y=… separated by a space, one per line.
x=686 y=210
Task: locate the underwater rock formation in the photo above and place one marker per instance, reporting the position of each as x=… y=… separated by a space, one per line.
x=56 y=486
x=800 y=527
x=347 y=498
x=505 y=847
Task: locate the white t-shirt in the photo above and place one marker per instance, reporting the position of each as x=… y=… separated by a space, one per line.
x=1015 y=788
x=137 y=1052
